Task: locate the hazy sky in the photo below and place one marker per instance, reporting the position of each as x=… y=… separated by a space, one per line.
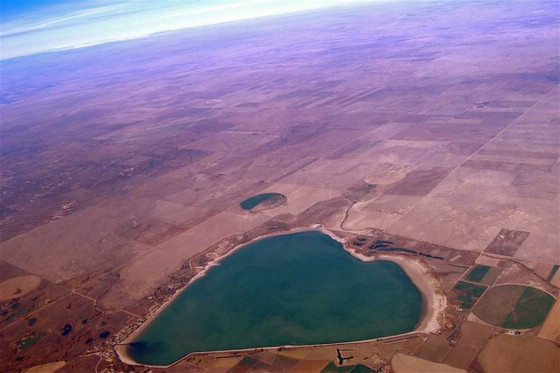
x=34 y=26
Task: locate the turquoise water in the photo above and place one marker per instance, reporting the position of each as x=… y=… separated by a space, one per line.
x=292 y=289
x=254 y=201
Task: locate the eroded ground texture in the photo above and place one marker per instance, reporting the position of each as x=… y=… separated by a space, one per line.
x=123 y=166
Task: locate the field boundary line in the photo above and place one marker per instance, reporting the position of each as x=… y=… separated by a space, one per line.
x=468 y=159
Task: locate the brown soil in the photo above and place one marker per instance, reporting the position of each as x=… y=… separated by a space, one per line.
x=405 y=364
x=519 y=354
x=46 y=368
x=17 y=287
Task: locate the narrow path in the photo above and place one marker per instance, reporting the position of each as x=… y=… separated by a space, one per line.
x=98 y=362
x=346 y=217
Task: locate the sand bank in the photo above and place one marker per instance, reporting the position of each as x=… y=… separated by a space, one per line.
x=121 y=352
x=433 y=301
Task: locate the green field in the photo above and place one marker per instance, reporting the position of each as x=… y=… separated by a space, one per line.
x=531 y=309
x=514 y=306
x=477 y=273
x=498 y=302
x=553 y=272
x=30 y=341
x=468 y=293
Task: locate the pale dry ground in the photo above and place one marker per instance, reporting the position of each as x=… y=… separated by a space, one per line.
x=402 y=363
x=473 y=337
x=225 y=364
x=141 y=276
x=487 y=261
x=74 y=246
x=46 y=368
x=471 y=205
x=519 y=354
x=19 y=286
x=309 y=366
x=556 y=279
x=551 y=327
x=543 y=269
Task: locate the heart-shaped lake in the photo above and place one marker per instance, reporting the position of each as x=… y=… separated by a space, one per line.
x=293 y=289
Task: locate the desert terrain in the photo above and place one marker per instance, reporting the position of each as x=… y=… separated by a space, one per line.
x=427 y=132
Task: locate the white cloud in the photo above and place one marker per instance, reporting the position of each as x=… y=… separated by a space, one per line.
x=69 y=28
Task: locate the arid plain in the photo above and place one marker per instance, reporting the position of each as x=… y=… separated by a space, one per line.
x=432 y=127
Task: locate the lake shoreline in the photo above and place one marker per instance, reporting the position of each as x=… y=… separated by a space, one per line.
x=421 y=276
